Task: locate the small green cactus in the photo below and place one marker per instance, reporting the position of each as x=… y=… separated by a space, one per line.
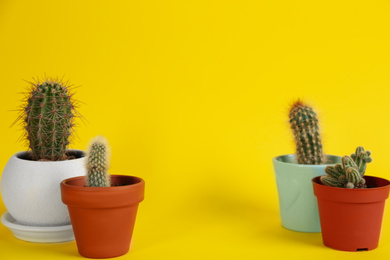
x=48 y=119
x=304 y=124
x=361 y=158
x=97 y=163
x=350 y=173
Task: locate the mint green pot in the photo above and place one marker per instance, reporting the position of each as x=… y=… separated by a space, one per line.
x=298 y=205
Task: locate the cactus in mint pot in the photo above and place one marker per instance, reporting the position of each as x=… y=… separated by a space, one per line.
x=304 y=124
x=97 y=163
x=294 y=172
x=48 y=119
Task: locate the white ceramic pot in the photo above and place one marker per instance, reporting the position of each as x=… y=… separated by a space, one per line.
x=31 y=189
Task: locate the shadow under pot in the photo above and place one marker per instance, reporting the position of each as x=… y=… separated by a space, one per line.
x=298 y=205
x=351 y=219
x=103 y=218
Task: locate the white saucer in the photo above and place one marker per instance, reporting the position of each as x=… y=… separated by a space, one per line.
x=38 y=234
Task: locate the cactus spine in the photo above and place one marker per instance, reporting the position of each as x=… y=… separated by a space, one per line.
x=97 y=163
x=48 y=120
x=350 y=173
x=304 y=124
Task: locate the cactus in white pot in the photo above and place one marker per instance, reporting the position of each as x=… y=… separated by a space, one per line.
x=30 y=180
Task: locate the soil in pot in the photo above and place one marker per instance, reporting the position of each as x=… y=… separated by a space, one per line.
x=103 y=218
x=351 y=219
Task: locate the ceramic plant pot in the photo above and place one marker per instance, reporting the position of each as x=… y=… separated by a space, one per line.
x=30 y=189
x=103 y=218
x=298 y=205
x=351 y=219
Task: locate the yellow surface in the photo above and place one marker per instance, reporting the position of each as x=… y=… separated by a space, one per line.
x=193 y=97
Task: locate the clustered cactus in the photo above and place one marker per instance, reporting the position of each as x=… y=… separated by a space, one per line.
x=350 y=173
x=48 y=119
x=97 y=163
x=304 y=124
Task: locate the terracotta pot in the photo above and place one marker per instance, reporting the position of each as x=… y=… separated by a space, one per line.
x=103 y=218
x=351 y=219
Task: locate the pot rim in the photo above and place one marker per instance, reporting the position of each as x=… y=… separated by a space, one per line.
x=330 y=157
x=75 y=194
x=316 y=181
x=354 y=196
x=140 y=182
x=17 y=156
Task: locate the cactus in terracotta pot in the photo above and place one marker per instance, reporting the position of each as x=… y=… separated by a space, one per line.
x=350 y=173
x=48 y=119
x=97 y=163
x=304 y=124
x=102 y=207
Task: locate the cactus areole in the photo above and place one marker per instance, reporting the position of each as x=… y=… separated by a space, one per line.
x=48 y=120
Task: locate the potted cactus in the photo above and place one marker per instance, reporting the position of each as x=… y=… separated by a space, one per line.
x=350 y=204
x=102 y=207
x=29 y=183
x=298 y=205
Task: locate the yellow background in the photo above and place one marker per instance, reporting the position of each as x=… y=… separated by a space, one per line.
x=193 y=97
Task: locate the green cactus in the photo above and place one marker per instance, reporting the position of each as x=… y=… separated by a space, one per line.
x=350 y=173
x=304 y=124
x=361 y=158
x=48 y=119
x=97 y=163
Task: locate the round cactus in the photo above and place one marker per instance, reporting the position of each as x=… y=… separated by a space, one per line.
x=304 y=124
x=97 y=163
x=48 y=119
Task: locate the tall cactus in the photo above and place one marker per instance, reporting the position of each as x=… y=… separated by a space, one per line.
x=48 y=120
x=350 y=173
x=304 y=124
x=97 y=163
